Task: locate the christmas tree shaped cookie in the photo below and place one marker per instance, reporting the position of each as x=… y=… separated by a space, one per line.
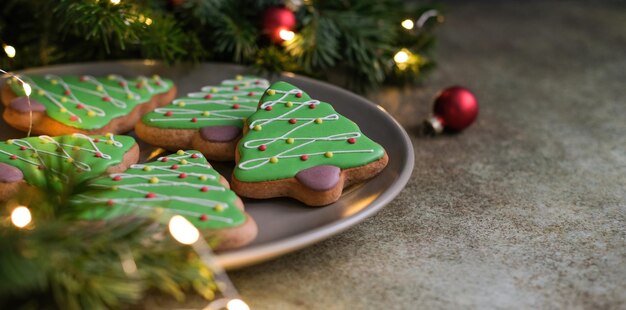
x=209 y=120
x=46 y=162
x=183 y=183
x=300 y=147
x=84 y=104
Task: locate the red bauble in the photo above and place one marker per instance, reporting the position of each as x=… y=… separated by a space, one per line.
x=276 y=19
x=455 y=109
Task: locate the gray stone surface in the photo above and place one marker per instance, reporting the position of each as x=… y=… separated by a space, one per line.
x=525 y=209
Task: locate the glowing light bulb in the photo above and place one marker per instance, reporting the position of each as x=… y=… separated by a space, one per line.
x=286 y=34
x=237 y=304
x=10 y=50
x=20 y=217
x=148 y=21
x=401 y=57
x=183 y=231
x=115 y=2
x=27 y=89
x=407 y=24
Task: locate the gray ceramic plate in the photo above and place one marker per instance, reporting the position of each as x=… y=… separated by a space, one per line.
x=284 y=225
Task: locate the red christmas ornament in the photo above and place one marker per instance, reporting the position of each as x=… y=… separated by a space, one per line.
x=276 y=19
x=455 y=109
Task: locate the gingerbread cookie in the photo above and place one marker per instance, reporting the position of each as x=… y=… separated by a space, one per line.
x=209 y=121
x=46 y=161
x=84 y=104
x=299 y=147
x=184 y=183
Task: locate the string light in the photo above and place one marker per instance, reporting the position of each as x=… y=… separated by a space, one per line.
x=407 y=24
x=10 y=50
x=115 y=2
x=148 y=21
x=401 y=57
x=286 y=35
x=183 y=231
x=20 y=217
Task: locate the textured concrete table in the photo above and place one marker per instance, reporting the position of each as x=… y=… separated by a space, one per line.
x=526 y=209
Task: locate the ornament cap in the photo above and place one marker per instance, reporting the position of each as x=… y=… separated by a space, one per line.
x=433 y=125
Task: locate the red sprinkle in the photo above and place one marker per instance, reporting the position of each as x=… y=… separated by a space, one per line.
x=352 y=140
x=110 y=202
x=257 y=82
x=83 y=78
x=204 y=217
x=139 y=85
x=174 y=167
x=194 y=155
x=236 y=88
x=158 y=83
x=80 y=106
x=236 y=106
x=304 y=157
x=293 y=121
x=96 y=140
x=182 y=175
x=164 y=159
x=262 y=147
x=209 y=96
x=251 y=94
x=13 y=157
x=73 y=118
x=23 y=148
x=311 y=106
x=122 y=83
x=204 y=189
x=299 y=95
x=150 y=195
x=168 y=113
x=268 y=108
x=106 y=98
x=98 y=154
x=194 y=119
x=117 y=178
x=67 y=92
x=41 y=167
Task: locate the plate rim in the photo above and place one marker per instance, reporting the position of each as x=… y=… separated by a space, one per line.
x=256 y=254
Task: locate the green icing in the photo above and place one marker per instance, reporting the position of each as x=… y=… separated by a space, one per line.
x=191 y=189
x=227 y=104
x=321 y=134
x=87 y=102
x=59 y=160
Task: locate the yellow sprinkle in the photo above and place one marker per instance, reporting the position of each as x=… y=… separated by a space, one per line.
x=109 y=142
x=99 y=88
x=69 y=160
x=235 y=98
x=156 y=77
x=183 y=162
x=318 y=120
x=180 y=152
x=238 y=77
x=218 y=207
x=290 y=140
x=130 y=96
x=328 y=154
x=34 y=155
x=76 y=148
x=273 y=159
x=271 y=92
x=114 y=187
x=214 y=90
x=181 y=103
x=154 y=180
x=54 y=82
x=257 y=127
x=10 y=141
x=203 y=177
x=63 y=110
x=206 y=113
x=63 y=99
x=110 y=77
x=41 y=92
x=147 y=168
x=289 y=104
x=109 y=135
x=91 y=113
